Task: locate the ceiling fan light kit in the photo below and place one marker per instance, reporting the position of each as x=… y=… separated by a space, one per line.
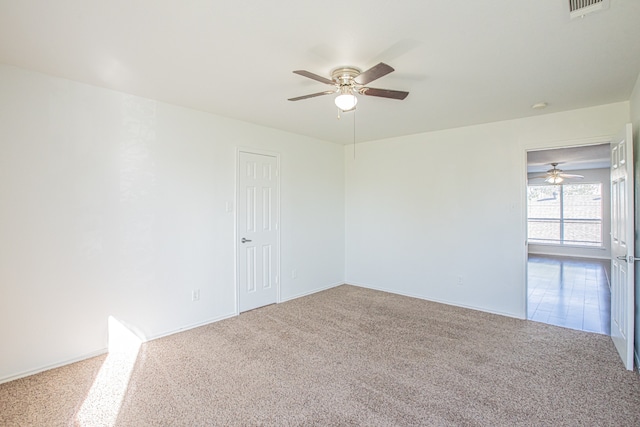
x=346 y=102
x=555 y=180
x=346 y=85
x=556 y=176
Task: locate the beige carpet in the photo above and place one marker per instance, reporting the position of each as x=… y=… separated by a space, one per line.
x=351 y=356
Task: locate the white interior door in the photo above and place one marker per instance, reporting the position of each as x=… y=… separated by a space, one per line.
x=622 y=245
x=257 y=230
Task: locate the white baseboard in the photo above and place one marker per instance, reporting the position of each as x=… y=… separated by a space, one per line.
x=191 y=326
x=147 y=339
x=53 y=366
x=454 y=304
x=304 y=294
x=105 y=350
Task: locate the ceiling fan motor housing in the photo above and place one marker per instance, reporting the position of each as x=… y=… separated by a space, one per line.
x=344 y=75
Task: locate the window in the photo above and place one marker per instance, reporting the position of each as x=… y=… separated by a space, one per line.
x=569 y=214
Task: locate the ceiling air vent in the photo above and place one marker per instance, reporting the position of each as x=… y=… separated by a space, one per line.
x=580 y=8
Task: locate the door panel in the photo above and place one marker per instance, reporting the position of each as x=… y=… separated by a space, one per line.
x=622 y=245
x=257 y=230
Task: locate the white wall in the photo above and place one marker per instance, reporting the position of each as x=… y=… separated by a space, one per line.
x=423 y=210
x=635 y=120
x=591 y=176
x=115 y=205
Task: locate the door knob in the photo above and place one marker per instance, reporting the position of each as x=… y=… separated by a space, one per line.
x=245 y=240
x=622 y=257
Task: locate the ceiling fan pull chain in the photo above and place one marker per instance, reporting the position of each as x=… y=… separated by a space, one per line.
x=354 y=135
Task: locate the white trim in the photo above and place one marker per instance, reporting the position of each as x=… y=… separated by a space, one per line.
x=315 y=291
x=605 y=258
x=550 y=145
x=439 y=301
x=54 y=365
x=188 y=327
x=250 y=150
x=560 y=245
x=106 y=350
x=261 y=152
x=524 y=228
x=524 y=178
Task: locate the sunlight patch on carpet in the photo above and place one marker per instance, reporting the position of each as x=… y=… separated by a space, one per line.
x=102 y=405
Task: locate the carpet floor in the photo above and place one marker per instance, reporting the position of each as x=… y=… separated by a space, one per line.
x=349 y=357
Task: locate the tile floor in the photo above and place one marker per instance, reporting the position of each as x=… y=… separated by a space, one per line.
x=569 y=292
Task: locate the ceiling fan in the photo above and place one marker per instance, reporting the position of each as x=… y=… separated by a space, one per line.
x=349 y=81
x=555 y=175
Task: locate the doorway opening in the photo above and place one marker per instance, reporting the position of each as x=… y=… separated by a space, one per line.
x=568 y=237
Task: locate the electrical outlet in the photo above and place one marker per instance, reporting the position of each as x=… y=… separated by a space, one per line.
x=460 y=281
x=294 y=274
x=195 y=295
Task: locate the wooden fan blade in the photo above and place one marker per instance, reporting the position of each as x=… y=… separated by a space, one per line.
x=568 y=175
x=374 y=73
x=384 y=93
x=539 y=177
x=313 y=95
x=314 y=77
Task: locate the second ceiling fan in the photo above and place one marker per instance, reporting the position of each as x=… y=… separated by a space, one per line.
x=556 y=176
x=349 y=81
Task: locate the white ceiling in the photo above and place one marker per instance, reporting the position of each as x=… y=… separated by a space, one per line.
x=464 y=62
x=571 y=158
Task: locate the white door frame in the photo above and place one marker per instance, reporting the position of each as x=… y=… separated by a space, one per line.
x=540 y=146
x=235 y=222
